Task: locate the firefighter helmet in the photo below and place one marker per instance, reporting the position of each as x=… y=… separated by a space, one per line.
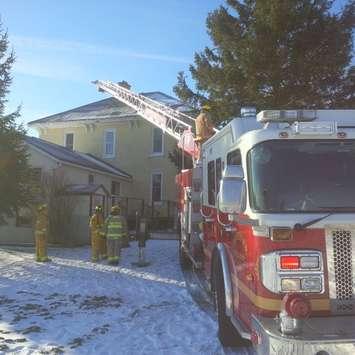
x=42 y=208
x=115 y=209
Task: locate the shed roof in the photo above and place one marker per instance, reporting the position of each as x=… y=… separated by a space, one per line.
x=84 y=189
x=66 y=155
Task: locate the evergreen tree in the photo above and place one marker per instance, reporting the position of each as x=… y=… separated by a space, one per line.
x=274 y=54
x=15 y=190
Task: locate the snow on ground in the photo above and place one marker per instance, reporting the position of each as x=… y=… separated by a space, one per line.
x=73 y=306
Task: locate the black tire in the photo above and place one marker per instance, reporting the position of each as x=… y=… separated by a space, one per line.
x=184 y=260
x=227 y=334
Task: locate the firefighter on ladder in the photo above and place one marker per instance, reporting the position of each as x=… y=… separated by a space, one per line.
x=97 y=232
x=41 y=233
x=204 y=127
x=115 y=226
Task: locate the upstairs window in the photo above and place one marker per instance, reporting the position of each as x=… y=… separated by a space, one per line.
x=69 y=141
x=109 y=143
x=157 y=141
x=91 y=179
x=157 y=179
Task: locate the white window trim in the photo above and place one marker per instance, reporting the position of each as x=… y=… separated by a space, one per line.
x=156 y=203
x=65 y=139
x=157 y=154
x=113 y=155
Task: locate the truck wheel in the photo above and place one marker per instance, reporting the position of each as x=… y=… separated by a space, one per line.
x=227 y=334
x=185 y=261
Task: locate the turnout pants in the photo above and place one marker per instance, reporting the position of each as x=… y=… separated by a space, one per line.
x=113 y=250
x=95 y=244
x=41 y=246
x=103 y=246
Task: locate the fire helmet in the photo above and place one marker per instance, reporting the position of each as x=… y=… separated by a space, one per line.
x=115 y=209
x=41 y=208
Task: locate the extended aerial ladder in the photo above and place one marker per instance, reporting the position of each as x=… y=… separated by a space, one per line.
x=173 y=122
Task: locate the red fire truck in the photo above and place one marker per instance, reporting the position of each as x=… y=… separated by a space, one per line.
x=267 y=214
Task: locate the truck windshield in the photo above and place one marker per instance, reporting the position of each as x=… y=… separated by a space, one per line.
x=302 y=176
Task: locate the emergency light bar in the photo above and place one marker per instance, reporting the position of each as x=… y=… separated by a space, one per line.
x=289 y=116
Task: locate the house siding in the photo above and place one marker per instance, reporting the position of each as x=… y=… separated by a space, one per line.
x=133 y=153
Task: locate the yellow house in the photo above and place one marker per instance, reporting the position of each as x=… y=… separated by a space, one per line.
x=113 y=132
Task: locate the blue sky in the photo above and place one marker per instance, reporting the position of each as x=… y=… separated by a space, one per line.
x=62 y=46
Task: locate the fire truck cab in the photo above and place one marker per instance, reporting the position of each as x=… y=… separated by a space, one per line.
x=268 y=216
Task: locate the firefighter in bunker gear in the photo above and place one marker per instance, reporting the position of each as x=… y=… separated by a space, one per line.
x=41 y=233
x=102 y=235
x=204 y=127
x=96 y=226
x=115 y=230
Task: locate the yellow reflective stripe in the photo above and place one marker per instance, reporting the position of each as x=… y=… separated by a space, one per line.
x=271 y=304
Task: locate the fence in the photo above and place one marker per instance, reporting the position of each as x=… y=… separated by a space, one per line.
x=161 y=214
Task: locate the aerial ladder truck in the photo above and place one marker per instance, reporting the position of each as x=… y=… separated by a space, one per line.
x=267 y=215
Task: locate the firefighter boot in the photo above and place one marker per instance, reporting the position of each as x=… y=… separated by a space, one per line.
x=41 y=249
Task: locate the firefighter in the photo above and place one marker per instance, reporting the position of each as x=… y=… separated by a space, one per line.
x=115 y=230
x=41 y=233
x=204 y=126
x=96 y=226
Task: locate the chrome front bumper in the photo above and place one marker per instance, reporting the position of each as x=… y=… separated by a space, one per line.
x=332 y=335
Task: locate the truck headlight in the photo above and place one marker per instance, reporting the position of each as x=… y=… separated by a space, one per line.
x=311 y=284
x=290 y=285
x=292 y=271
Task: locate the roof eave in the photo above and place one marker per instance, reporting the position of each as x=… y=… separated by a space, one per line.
x=64 y=162
x=80 y=122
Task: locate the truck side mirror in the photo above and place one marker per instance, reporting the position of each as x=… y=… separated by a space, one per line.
x=232 y=190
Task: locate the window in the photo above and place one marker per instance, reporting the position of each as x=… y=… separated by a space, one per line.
x=115 y=188
x=157 y=141
x=115 y=191
x=69 y=141
x=218 y=173
x=91 y=179
x=211 y=182
x=234 y=158
x=109 y=143
x=36 y=180
x=24 y=217
x=156 y=187
x=302 y=176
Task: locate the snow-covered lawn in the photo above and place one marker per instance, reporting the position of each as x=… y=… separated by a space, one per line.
x=73 y=306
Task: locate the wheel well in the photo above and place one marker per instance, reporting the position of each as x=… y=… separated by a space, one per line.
x=215 y=257
x=219 y=254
